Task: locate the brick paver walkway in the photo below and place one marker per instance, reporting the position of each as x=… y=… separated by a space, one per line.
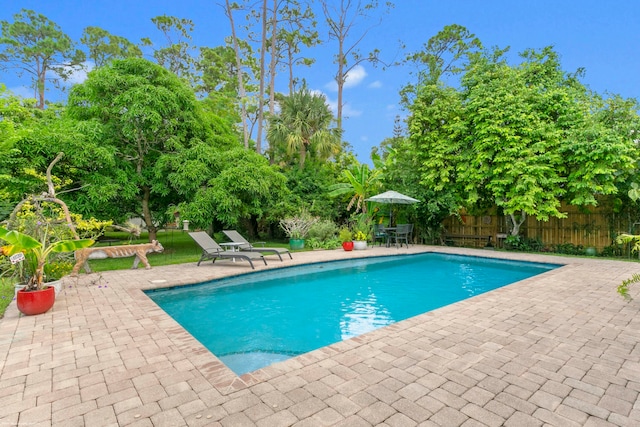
x=560 y=349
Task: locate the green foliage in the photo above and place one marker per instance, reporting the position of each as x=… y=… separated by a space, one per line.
x=37 y=252
x=104 y=47
x=520 y=137
x=359 y=182
x=303 y=127
x=139 y=118
x=623 y=289
x=36 y=45
x=225 y=185
x=522 y=244
x=324 y=229
x=345 y=235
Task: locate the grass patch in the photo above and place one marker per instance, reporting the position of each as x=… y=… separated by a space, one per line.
x=6 y=294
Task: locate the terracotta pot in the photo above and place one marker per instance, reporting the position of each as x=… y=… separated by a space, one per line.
x=35 y=302
x=347 y=246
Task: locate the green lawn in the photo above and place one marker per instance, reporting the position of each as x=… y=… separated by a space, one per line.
x=179 y=248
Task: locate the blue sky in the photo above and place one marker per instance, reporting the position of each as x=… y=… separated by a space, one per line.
x=600 y=36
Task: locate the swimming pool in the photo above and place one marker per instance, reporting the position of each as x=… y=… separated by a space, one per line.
x=256 y=319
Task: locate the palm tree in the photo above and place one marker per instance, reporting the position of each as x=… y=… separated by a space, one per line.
x=359 y=182
x=303 y=126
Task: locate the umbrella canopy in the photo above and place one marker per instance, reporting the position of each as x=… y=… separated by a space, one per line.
x=392 y=197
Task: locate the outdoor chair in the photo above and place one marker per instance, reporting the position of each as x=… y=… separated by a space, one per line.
x=244 y=245
x=402 y=234
x=212 y=250
x=379 y=233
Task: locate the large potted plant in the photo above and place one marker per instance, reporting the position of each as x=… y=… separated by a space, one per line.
x=297 y=227
x=346 y=237
x=33 y=255
x=361 y=230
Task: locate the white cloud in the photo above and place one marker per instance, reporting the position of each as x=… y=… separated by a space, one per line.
x=391 y=107
x=79 y=75
x=355 y=76
x=375 y=85
x=352 y=79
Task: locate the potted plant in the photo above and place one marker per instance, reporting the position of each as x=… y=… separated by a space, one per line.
x=33 y=256
x=362 y=228
x=346 y=237
x=297 y=227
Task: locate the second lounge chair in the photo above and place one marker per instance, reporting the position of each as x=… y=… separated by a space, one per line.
x=236 y=237
x=212 y=250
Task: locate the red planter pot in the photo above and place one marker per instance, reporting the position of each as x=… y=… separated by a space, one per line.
x=36 y=302
x=347 y=246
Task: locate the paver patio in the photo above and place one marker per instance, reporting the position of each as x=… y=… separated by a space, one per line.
x=559 y=349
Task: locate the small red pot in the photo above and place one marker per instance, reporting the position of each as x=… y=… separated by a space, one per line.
x=347 y=246
x=36 y=302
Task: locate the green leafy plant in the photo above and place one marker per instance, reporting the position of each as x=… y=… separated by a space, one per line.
x=634 y=240
x=345 y=235
x=361 y=226
x=323 y=230
x=36 y=254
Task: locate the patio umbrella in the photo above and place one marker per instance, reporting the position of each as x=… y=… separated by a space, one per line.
x=392 y=197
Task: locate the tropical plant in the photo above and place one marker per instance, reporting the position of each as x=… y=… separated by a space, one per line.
x=359 y=181
x=303 y=126
x=35 y=254
x=361 y=226
x=623 y=289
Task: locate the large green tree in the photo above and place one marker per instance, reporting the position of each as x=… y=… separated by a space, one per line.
x=137 y=112
x=520 y=137
x=35 y=45
x=104 y=46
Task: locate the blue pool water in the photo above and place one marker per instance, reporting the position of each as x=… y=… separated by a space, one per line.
x=254 y=320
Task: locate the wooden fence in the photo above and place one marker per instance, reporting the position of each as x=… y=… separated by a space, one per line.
x=595 y=229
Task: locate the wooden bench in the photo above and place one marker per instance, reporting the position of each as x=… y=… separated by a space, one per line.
x=449 y=239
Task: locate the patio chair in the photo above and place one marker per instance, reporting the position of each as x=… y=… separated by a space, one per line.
x=402 y=234
x=212 y=250
x=236 y=237
x=379 y=233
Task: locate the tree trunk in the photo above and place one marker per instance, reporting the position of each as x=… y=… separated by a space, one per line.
x=517 y=224
x=146 y=214
x=263 y=48
x=303 y=154
x=241 y=91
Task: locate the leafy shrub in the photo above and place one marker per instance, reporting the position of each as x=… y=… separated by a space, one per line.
x=345 y=235
x=315 y=243
x=523 y=244
x=569 y=249
x=323 y=230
